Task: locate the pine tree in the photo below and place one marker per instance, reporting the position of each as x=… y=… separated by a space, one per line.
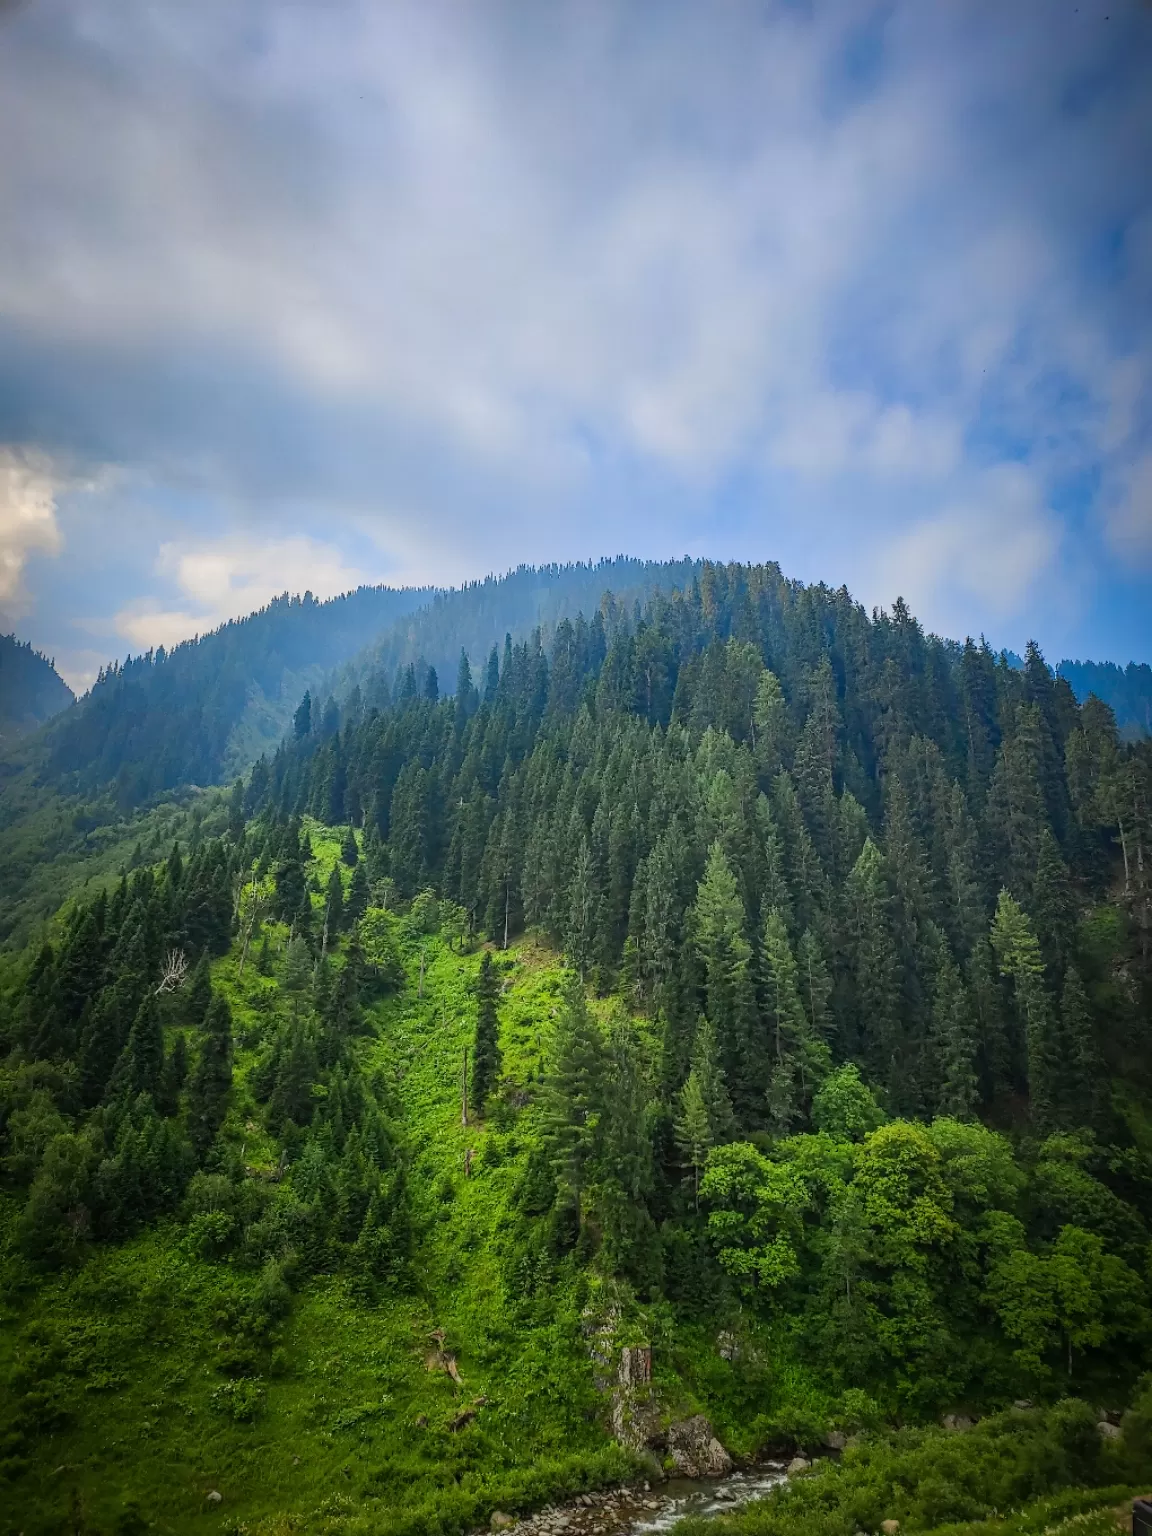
x=349 y=849
x=786 y=1017
x=582 y=929
x=875 y=967
x=693 y=1129
x=142 y=1059
x=954 y=1042
x=726 y=958
x=333 y=905
x=1084 y=1075
x=358 y=896
x=1018 y=955
x=576 y=1094
x=815 y=985
x=211 y=1078
x=486 y=1059
x=709 y=1076
x=302 y=720
x=197 y=994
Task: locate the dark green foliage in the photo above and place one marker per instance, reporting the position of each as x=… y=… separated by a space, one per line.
x=486 y=1042
x=211 y=1077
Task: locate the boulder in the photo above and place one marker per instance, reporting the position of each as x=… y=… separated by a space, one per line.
x=835 y=1439
x=695 y=1450
x=798 y=1464
x=501 y=1520
x=958 y=1423
x=1109 y=1431
x=890 y=1527
x=213 y=1496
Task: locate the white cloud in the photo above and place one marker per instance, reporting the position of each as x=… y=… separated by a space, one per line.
x=233 y=576
x=977 y=561
x=1129 y=511
x=443 y=257
x=29 y=483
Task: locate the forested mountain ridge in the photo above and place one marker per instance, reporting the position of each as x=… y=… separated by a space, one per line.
x=31 y=690
x=203 y=709
x=1126 y=690
x=736 y=973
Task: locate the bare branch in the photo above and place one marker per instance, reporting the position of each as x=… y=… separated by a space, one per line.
x=173 y=971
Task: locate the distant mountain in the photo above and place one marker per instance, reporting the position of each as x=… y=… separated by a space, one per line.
x=31 y=690
x=203 y=711
x=1128 y=690
x=479 y=615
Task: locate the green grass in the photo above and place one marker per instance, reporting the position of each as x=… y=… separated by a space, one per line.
x=131 y=1387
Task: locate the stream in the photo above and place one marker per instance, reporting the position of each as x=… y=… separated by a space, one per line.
x=648 y=1510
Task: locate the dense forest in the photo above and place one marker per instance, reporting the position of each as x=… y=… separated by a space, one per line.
x=728 y=971
x=31 y=690
x=1126 y=690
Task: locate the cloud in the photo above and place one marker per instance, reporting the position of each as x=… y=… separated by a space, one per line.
x=976 y=562
x=609 y=280
x=28 y=487
x=230 y=577
x=1129 y=512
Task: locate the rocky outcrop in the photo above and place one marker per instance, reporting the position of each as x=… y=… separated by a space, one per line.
x=635 y=1413
x=695 y=1450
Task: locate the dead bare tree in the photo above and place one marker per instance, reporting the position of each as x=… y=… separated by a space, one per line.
x=173 y=971
x=257 y=905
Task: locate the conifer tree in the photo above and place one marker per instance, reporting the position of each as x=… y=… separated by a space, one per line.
x=211 y=1078
x=142 y=1059
x=197 y=994
x=874 y=964
x=726 y=958
x=710 y=1080
x=815 y=985
x=693 y=1128
x=576 y=1094
x=334 y=904
x=350 y=849
x=358 y=896
x=954 y=1042
x=486 y=1058
x=1018 y=955
x=584 y=911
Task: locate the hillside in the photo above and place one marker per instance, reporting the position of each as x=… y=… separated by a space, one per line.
x=729 y=974
x=1126 y=690
x=31 y=690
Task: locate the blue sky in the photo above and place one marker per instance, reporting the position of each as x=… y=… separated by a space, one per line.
x=307 y=294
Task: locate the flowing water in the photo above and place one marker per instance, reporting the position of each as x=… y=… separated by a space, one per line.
x=681 y=1497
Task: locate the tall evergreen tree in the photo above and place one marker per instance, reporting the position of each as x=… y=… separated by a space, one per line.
x=486 y=1058
x=211 y=1078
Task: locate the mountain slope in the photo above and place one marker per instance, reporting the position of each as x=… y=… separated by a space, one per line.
x=1126 y=690
x=737 y=975
x=31 y=690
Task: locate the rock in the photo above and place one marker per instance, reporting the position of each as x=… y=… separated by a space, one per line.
x=835 y=1439
x=501 y=1520
x=695 y=1450
x=958 y=1423
x=797 y=1464
x=213 y=1497
x=1023 y=1403
x=1109 y=1431
x=890 y=1527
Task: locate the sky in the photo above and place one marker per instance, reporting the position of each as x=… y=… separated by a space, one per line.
x=304 y=294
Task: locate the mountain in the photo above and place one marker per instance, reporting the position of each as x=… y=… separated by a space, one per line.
x=1126 y=690
x=31 y=690
x=724 y=1015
